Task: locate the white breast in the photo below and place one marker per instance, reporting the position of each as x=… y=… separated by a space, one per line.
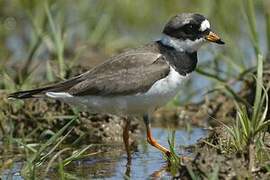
x=159 y=94
x=167 y=86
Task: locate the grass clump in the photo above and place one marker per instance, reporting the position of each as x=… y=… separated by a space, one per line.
x=37 y=157
x=250 y=127
x=50 y=155
x=173 y=160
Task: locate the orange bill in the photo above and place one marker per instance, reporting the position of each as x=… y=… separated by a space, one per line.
x=213 y=37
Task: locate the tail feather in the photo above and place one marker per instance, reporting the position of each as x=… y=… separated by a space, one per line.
x=28 y=94
x=59 y=87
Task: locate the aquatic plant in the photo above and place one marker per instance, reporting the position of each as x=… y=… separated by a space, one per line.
x=248 y=130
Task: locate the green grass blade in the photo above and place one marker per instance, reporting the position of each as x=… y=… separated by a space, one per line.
x=267 y=16
x=52 y=139
x=76 y=155
x=259 y=84
x=250 y=12
x=61 y=169
x=58 y=42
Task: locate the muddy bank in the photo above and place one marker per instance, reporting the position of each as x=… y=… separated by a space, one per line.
x=212 y=159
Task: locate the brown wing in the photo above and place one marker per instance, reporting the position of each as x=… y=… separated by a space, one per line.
x=128 y=73
x=131 y=72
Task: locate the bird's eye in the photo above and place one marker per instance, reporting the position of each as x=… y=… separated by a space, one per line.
x=189 y=28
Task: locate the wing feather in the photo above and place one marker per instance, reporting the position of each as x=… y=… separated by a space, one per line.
x=127 y=73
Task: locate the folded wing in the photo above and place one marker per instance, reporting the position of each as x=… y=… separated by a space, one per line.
x=127 y=73
x=130 y=73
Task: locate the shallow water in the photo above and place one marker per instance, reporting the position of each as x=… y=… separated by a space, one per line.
x=146 y=161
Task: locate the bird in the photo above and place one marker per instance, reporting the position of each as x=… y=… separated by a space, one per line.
x=137 y=81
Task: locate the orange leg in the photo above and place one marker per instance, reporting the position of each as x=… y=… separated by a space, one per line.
x=126 y=137
x=150 y=138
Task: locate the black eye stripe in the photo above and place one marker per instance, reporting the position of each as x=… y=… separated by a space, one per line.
x=190 y=28
x=185 y=26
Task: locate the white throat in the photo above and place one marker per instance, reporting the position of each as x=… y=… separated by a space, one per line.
x=182 y=45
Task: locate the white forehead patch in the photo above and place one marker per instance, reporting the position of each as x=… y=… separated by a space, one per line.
x=205 y=25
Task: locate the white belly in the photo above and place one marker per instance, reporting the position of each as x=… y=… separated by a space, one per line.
x=158 y=95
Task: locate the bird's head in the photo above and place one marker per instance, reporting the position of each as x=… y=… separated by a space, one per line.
x=188 y=32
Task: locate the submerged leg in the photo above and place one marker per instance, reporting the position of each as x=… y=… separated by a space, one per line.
x=126 y=136
x=150 y=138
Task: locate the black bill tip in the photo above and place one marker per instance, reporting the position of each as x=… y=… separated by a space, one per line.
x=220 y=42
